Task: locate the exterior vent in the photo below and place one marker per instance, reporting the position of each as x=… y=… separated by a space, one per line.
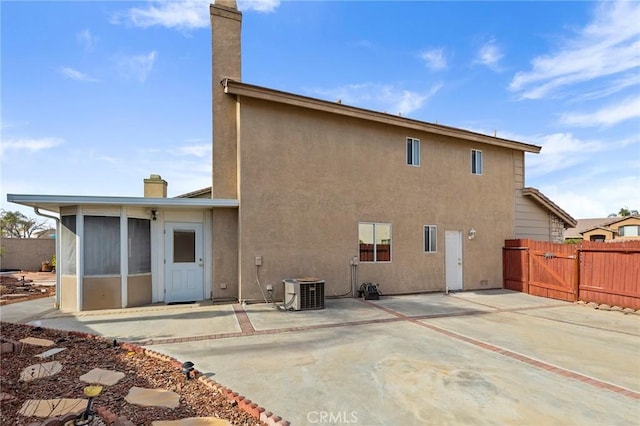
x=303 y=294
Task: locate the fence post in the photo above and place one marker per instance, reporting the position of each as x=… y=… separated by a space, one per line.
x=525 y=286
x=576 y=281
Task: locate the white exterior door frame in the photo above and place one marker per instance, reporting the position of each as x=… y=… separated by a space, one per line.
x=184 y=262
x=453 y=260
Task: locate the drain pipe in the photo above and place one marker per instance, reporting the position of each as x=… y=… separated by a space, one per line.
x=58 y=241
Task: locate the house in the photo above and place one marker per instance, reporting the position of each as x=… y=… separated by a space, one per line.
x=302 y=187
x=539 y=218
x=619 y=228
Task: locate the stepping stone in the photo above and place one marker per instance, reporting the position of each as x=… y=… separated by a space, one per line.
x=50 y=352
x=193 y=421
x=52 y=407
x=102 y=377
x=37 y=342
x=6 y=397
x=152 y=397
x=37 y=371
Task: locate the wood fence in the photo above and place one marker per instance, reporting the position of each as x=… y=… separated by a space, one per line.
x=590 y=271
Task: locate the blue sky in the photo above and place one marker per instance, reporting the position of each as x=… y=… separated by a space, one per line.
x=95 y=96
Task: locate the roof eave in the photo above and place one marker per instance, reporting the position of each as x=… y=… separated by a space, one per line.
x=55 y=202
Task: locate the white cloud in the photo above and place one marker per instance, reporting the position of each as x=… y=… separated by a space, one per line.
x=561 y=151
x=137 y=66
x=86 y=39
x=609 y=45
x=489 y=55
x=258 y=5
x=184 y=14
x=77 y=75
x=434 y=59
x=30 y=145
x=380 y=97
x=200 y=150
x=606 y=116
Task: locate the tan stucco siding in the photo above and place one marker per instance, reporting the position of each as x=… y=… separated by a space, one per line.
x=68 y=293
x=101 y=293
x=138 y=290
x=308 y=178
x=225 y=254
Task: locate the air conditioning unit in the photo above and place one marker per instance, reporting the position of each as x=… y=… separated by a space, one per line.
x=303 y=294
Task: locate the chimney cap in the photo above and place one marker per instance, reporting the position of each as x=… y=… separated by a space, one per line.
x=230 y=4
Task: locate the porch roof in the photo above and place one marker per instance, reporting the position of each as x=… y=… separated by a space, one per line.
x=53 y=203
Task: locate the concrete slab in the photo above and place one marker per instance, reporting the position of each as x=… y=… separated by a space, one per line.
x=148 y=323
x=431 y=304
x=266 y=316
x=603 y=354
x=24 y=311
x=505 y=299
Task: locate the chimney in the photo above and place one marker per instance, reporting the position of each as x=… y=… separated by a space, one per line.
x=155 y=187
x=226 y=28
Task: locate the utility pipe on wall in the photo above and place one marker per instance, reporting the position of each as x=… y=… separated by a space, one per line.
x=57 y=245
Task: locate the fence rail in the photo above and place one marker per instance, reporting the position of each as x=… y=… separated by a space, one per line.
x=590 y=271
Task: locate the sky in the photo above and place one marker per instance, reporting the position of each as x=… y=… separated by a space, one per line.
x=96 y=96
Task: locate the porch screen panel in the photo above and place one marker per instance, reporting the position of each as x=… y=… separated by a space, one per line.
x=139 y=245
x=67 y=261
x=101 y=245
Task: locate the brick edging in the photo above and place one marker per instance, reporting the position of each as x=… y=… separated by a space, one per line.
x=111 y=419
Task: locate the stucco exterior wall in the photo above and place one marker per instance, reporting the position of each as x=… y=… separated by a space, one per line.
x=138 y=290
x=308 y=178
x=225 y=254
x=101 y=293
x=26 y=254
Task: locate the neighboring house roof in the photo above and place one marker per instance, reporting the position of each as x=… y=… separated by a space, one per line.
x=611 y=221
x=47 y=233
x=585 y=225
x=258 y=92
x=55 y=202
x=198 y=193
x=538 y=196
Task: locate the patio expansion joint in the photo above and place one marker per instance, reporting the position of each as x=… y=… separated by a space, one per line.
x=541 y=365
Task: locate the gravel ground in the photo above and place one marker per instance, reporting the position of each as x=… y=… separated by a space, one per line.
x=82 y=355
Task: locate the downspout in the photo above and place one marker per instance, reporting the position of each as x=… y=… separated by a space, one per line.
x=57 y=220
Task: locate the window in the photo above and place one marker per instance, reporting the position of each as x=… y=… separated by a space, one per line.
x=476 y=162
x=101 y=245
x=67 y=263
x=413 y=152
x=139 y=246
x=375 y=242
x=184 y=246
x=629 y=231
x=597 y=237
x=430 y=238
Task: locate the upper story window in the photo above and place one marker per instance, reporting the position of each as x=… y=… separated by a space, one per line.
x=413 y=152
x=374 y=242
x=430 y=238
x=629 y=231
x=476 y=162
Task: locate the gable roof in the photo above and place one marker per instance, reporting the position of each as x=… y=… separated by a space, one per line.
x=538 y=196
x=257 y=92
x=612 y=221
x=585 y=225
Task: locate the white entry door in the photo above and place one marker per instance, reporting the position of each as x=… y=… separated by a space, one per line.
x=184 y=269
x=453 y=259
